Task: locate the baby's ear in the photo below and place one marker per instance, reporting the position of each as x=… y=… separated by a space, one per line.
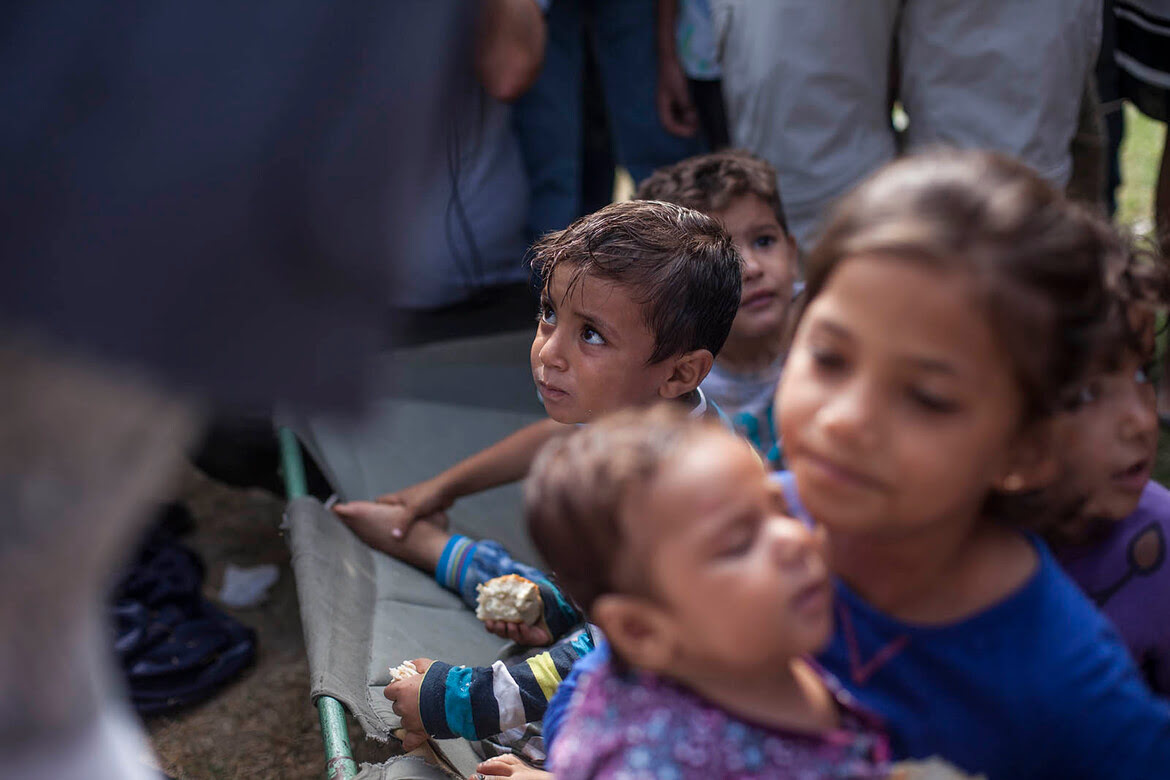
x=690 y=368
x=1033 y=463
x=641 y=633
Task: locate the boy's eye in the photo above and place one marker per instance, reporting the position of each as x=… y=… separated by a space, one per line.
x=547 y=314
x=763 y=242
x=591 y=336
x=1143 y=375
x=931 y=402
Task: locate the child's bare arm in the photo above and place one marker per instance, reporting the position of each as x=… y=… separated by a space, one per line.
x=508 y=460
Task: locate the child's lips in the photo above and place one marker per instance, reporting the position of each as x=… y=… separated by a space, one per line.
x=814 y=599
x=842 y=476
x=758 y=300
x=551 y=392
x=1134 y=478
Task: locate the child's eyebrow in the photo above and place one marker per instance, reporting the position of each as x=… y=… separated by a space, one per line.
x=598 y=322
x=933 y=365
x=760 y=227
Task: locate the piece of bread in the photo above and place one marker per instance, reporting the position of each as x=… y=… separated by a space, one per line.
x=403 y=670
x=933 y=768
x=510 y=598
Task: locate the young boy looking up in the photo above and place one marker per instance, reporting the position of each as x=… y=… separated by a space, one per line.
x=638 y=298
x=740 y=191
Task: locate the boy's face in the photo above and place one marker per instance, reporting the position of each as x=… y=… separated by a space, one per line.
x=590 y=351
x=769 y=267
x=739 y=582
x=1111 y=440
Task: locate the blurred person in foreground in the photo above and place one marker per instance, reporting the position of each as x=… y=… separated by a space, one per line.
x=195 y=204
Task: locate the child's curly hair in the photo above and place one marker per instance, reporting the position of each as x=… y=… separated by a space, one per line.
x=709 y=182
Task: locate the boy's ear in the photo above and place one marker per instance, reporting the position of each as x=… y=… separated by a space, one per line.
x=640 y=632
x=690 y=368
x=1033 y=463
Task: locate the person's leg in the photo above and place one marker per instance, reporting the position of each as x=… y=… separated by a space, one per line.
x=806 y=87
x=548 y=124
x=708 y=97
x=1004 y=74
x=598 y=165
x=85 y=451
x=1109 y=93
x=628 y=63
x=1086 y=183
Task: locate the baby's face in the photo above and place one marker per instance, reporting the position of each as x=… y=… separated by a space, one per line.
x=769 y=267
x=1111 y=438
x=742 y=583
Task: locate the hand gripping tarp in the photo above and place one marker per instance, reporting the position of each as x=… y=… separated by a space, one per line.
x=363 y=611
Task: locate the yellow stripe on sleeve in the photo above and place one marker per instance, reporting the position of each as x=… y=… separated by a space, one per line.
x=545 y=672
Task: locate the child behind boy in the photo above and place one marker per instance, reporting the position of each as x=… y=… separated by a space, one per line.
x=670 y=534
x=740 y=191
x=1115 y=545
x=638 y=298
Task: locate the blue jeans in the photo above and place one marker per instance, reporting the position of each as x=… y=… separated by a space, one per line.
x=548 y=117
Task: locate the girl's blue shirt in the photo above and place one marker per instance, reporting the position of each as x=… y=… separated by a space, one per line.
x=1038 y=685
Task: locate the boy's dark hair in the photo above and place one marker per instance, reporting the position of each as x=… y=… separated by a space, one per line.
x=578 y=487
x=709 y=182
x=679 y=264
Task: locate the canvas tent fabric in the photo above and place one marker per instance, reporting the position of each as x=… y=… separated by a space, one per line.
x=364 y=611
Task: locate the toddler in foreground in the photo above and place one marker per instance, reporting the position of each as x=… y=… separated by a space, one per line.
x=669 y=533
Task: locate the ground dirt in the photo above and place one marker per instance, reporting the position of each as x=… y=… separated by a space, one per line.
x=262 y=725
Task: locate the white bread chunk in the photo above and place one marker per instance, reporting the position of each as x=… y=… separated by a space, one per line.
x=403 y=670
x=510 y=598
x=933 y=768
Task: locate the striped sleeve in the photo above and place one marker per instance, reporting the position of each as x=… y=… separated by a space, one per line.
x=480 y=702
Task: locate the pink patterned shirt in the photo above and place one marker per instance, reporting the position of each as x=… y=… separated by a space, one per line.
x=639 y=726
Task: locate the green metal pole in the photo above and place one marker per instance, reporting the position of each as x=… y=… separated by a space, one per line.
x=291 y=463
x=339 y=763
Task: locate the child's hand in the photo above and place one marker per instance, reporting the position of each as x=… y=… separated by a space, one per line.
x=536 y=635
x=508 y=766
x=414 y=503
x=404 y=694
x=374 y=524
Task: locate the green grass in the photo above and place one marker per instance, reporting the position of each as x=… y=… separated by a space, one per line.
x=1141 y=151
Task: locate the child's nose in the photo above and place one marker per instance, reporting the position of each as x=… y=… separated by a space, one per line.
x=551 y=353
x=793 y=545
x=1139 y=416
x=751 y=267
x=847 y=412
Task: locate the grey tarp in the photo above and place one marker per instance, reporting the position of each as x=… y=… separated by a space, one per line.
x=363 y=611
